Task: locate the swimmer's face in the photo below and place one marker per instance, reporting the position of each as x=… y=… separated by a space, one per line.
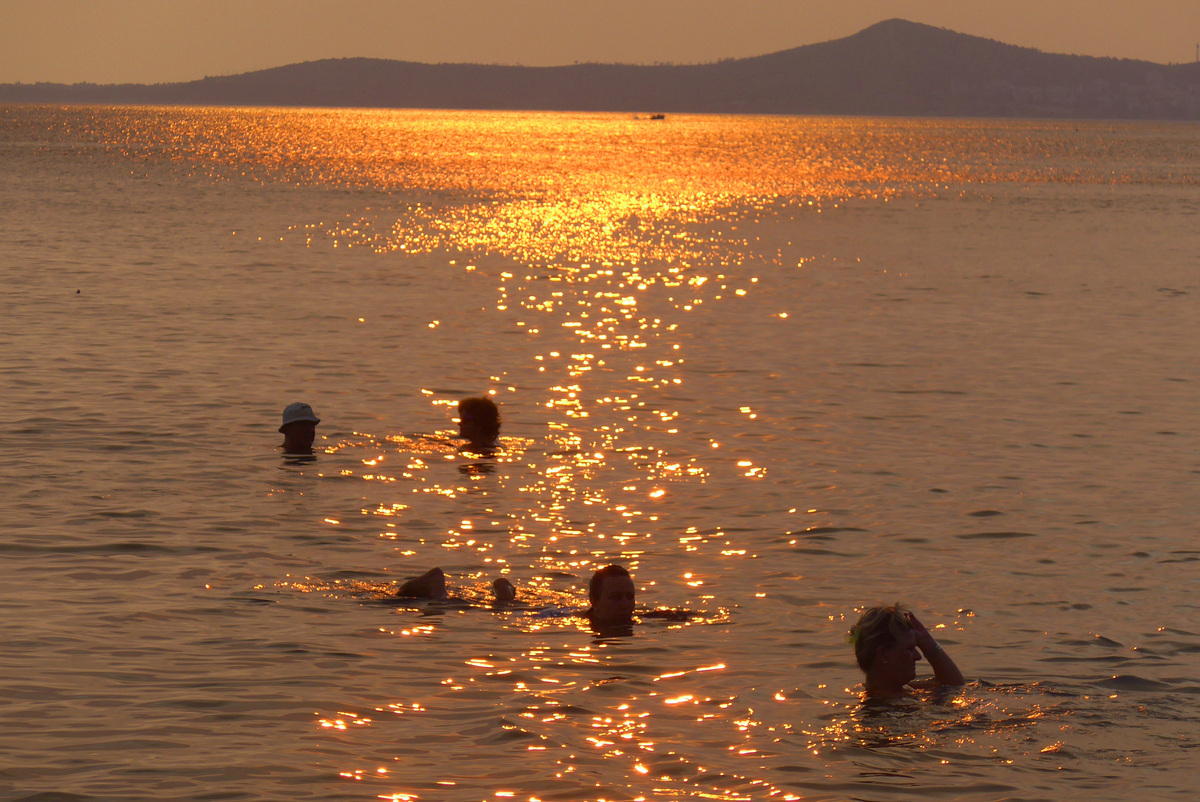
x=298 y=437
x=470 y=429
x=614 y=604
x=899 y=660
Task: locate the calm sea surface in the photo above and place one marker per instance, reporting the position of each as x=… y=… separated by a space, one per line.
x=781 y=368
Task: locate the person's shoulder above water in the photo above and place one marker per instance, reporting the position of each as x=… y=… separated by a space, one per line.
x=299 y=429
x=888 y=642
x=479 y=423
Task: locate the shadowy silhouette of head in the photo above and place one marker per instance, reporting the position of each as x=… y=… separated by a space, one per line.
x=878 y=628
x=299 y=428
x=612 y=595
x=479 y=420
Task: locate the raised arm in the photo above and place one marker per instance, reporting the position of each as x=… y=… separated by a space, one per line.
x=944 y=669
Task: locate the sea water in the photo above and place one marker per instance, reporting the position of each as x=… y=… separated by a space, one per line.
x=781 y=368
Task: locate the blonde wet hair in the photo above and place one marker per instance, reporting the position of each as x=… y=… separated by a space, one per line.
x=878 y=626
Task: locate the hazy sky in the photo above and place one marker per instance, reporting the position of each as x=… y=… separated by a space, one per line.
x=148 y=41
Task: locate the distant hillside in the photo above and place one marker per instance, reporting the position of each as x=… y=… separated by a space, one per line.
x=892 y=68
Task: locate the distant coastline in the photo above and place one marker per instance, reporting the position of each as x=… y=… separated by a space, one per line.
x=893 y=68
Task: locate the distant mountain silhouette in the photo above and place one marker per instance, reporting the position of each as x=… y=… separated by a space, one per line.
x=892 y=68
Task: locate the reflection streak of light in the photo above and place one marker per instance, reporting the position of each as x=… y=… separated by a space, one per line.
x=624 y=261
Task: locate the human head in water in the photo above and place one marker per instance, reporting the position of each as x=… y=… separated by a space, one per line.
x=877 y=630
x=503 y=590
x=479 y=420
x=888 y=642
x=612 y=595
x=299 y=428
x=432 y=585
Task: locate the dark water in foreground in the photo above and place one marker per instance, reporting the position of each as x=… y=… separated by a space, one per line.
x=781 y=368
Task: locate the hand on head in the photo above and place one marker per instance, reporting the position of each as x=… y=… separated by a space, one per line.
x=888 y=642
x=925 y=639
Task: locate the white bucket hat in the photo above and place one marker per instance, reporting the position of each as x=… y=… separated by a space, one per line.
x=297 y=412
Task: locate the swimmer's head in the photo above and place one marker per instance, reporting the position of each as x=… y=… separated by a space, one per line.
x=299 y=428
x=879 y=628
x=612 y=595
x=479 y=420
x=503 y=590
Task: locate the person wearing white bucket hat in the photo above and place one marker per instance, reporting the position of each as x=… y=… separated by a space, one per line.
x=299 y=428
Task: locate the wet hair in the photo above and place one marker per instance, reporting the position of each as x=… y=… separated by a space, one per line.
x=482 y=411
x=597 y=580
x=503 y=590
x=877 y=626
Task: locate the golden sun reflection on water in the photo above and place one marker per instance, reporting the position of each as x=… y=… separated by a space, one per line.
x=607 y=248
x=602 y=270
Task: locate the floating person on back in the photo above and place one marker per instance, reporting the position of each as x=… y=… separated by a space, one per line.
x=432 y=585
x=479 y=423
x=611 y=593
x=299 y=429
x=888 y=642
